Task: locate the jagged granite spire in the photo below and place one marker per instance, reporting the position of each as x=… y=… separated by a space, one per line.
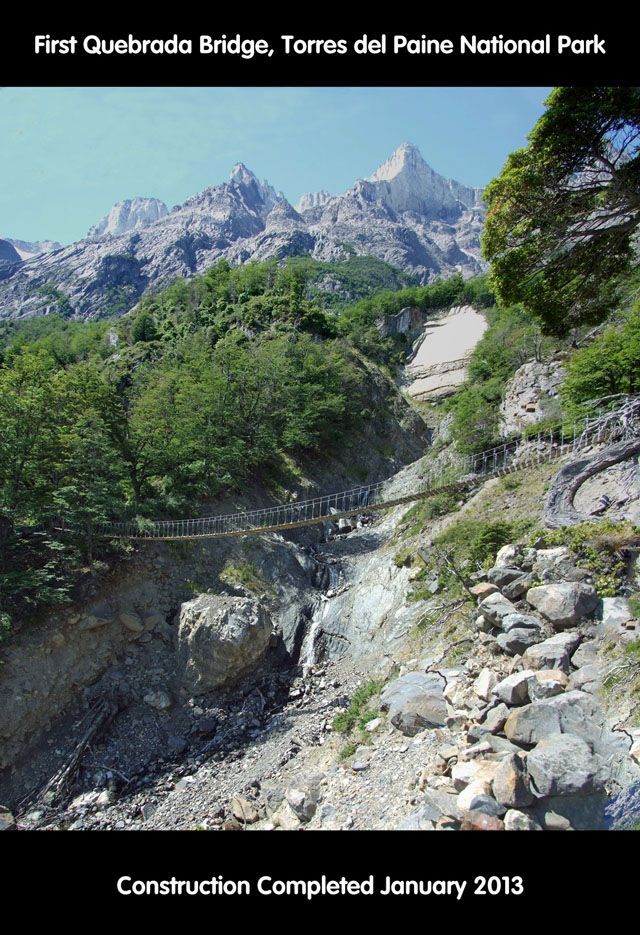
x=129 y=215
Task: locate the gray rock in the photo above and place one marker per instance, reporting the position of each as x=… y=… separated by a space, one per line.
x=585 y=655
x=623 y=811
x=521 y=622
x=496 y=718
x=547 y=683
x=517 y=640
x=510 y=783
x=553 y=653
x=507 y=555
x=563 y=765
x=570 y=713
x=502 y=574
x=158 y=699
x=577 y=812
x=487 y=805
x=420 y=820
x=484 y=684
x=441 y=804
x=502 y=745
x=514 y=689
x=583 y=677
x=549 y=558
x=532 y=723
x=219 y=639
x=495 y=607
x=614 y=611
x=415 y=702
x=516 y=820
x=519 y=586
x=563 y=604
x=304 y=796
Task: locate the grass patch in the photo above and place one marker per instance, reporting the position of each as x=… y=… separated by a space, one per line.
x=346 y=752
x=344 y=721
x=424 y=511
x=238 y=571
x=600 y=548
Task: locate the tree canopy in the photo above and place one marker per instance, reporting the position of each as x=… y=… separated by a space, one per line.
x=564 y=210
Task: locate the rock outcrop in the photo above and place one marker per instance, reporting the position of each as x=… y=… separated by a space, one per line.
x=128 y=216
x=530 y=395
x=220 y=639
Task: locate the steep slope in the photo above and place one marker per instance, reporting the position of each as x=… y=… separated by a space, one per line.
x=404 y=213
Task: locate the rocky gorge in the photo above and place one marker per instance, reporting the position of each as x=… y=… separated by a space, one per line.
x=333 y=680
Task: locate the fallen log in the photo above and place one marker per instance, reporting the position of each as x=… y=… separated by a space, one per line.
x=559 y=509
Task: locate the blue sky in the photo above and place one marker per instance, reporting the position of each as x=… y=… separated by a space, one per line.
x=68 y=154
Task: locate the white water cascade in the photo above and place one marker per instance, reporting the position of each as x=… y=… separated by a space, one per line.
x=308 y=650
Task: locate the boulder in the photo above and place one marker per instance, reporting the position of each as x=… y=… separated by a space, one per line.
x=586 y=679
x=415 y=702
x=495 y=607
x=571 y=812
x=547 y=683
x=303 y=798
x=563 y=765
x=220 y=638
x=516 y=820
x=521 y=622
x=514 y=689
x=502 y=574
x=483 y=590
x=243 y=810
x=585 y=655
x=508 y=554
x=563 y=604
x=614 y=612
x=518 y=586
x=532 y=723
x=554 y=653
x=485 y=683
x=518 y=640
x=496 y=718
x=510 y=783
x=572 y=712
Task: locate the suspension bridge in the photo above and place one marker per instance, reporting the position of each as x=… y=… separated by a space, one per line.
x=617 y=421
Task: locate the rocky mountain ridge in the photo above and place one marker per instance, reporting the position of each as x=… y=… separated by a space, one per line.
x=404 y=213
x=129 y=215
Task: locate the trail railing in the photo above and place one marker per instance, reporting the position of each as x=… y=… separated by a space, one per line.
x=614 y=419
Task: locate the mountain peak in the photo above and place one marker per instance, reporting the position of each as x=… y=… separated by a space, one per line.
x=405 y=157
x=405 y=182
x=241 y=174
x=129 y=215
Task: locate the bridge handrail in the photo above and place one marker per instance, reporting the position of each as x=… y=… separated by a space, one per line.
x=595 y=425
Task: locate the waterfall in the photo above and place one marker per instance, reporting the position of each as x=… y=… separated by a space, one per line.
x=308 y=650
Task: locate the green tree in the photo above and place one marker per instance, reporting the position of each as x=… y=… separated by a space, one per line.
x=563 y=211
x=144 y=328
x=610 y=365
